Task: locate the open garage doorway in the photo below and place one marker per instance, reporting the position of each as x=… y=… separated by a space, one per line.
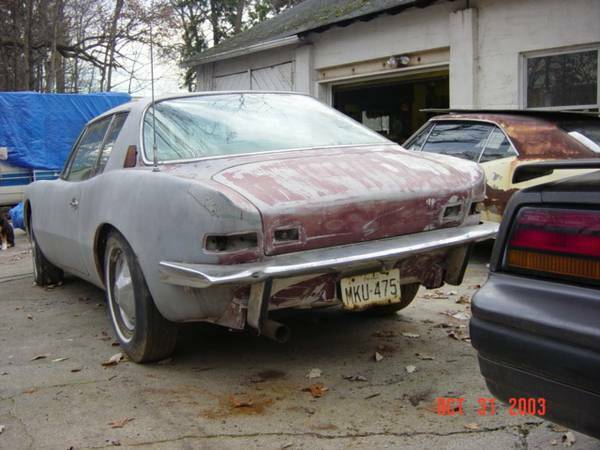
x=392 y=106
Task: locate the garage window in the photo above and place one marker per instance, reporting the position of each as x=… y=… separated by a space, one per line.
x=565 y=80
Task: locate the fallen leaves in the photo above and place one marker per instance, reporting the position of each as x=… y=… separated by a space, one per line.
x=240 y=401
x=113 y=360
x=59 y=360
x=459 y=335
x=411 y=335
x=424 y=357
x=463 y=300
x=121 y=422
x=411 y=369
x=471 y=426
x=377 y=356
x=354 y=377
x=35 y=358
x=30 y=390
x=314 y=373
x=316 y=390
x=2 y=428
x=568 y=439
x=77 y=369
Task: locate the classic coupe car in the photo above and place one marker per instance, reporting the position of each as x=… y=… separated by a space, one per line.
x=536 y=321
x=502 y=140
x=222 y=207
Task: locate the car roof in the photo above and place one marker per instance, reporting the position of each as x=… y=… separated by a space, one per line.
x=535 y=134
x=141 y=103
x=542 y=113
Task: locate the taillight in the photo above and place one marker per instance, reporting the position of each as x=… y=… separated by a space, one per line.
x=555 y=242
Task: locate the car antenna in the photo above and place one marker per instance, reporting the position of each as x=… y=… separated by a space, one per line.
x=154 y=145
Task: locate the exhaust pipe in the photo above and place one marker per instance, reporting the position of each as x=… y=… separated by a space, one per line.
x=276 y=331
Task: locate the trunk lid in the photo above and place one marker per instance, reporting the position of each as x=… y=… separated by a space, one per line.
x=352 y=194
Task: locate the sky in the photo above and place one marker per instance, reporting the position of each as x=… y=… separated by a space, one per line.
x=167 y=73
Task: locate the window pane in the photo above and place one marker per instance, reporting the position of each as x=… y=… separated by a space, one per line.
x=497 y=147
x=463 y=140
x=224 y=124
x=86 y=156
x=563 y=80
x=417 y=142
x=115 y=128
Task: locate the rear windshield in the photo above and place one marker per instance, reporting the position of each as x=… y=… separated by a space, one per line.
x=227 y=124
x=586 y=132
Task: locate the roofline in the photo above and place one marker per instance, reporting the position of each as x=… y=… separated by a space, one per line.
x=255 y=48
x=514 y=112
x=299 y=35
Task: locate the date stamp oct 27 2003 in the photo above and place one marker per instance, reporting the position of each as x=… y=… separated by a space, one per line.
x=488 y=406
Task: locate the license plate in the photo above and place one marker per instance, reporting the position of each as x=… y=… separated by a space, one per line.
x=377 y=288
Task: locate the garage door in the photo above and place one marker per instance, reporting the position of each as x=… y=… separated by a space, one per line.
x=273 y=78
x=234 y=82
x=276 y=78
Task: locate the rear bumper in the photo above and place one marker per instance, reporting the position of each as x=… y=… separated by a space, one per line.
x=567 y=405
x=331 y=259
x=537 y=339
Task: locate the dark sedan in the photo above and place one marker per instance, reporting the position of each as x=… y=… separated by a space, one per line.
x=536 y=322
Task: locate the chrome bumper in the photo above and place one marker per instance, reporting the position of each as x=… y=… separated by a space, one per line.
x=331 y=259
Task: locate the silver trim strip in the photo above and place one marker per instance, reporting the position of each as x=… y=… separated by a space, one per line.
x=331 y=259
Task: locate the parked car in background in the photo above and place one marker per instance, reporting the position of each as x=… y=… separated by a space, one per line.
x=502 y=140
x=14 y=179
x=222 y=207
x=536 y=321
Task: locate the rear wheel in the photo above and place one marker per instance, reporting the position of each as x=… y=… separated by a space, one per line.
x=44 y=272
x=408 y=292
x=144 y=334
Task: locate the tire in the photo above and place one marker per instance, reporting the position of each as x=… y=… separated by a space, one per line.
x=408 y=293
x=44 y=272
x=144 y=334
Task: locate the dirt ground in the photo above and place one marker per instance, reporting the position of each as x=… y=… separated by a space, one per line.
x=232 y=390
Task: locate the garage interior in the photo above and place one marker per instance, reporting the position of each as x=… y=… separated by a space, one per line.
x=393 y=107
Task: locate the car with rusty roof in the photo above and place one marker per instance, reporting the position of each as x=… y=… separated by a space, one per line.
x=536 y=320
x=225 y=206
x=501 y=140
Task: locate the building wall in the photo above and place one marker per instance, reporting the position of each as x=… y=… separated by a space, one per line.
x=486 y=45
x=511 y=27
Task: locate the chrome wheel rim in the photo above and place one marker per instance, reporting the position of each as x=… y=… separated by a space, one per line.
x=121 y=297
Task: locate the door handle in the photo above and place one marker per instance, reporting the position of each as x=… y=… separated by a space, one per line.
x=74 y=203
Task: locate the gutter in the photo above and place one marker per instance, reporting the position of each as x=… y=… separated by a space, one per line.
x=282 y=42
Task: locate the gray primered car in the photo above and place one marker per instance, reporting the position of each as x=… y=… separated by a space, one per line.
x=221 y=207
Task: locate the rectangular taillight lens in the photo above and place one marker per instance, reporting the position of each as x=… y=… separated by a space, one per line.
x=555 y=242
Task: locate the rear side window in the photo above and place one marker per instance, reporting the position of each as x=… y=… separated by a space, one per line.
x=417 y=142
x=83 y=164
x=461 y=139
x=111 y=137
x=497 y=146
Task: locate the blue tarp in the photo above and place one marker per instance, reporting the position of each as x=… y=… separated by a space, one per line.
x=16 y=216
x=39 y=129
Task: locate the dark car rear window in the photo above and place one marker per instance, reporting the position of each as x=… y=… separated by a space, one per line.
x=460 y=139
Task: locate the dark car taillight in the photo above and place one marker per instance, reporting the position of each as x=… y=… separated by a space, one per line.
x=560 y=243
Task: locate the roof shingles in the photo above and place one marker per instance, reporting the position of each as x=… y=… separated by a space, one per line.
x=304 y=17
